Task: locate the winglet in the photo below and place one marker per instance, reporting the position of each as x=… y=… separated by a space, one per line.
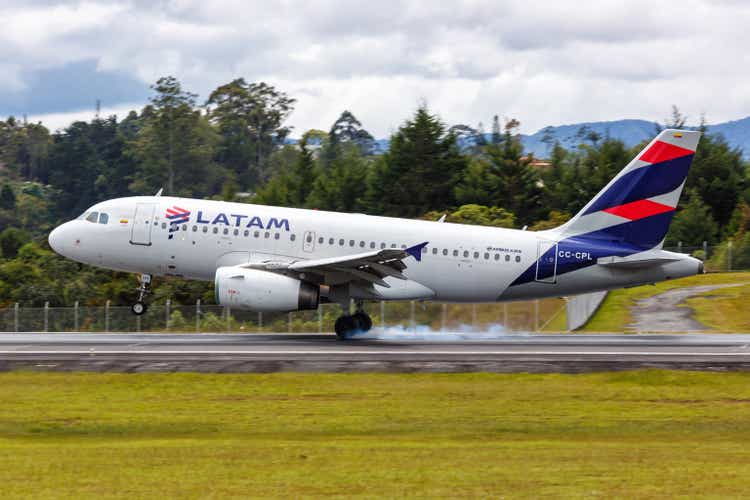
x=416 y=251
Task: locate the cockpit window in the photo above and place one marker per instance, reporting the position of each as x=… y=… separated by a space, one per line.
x=93 y=216
x=103 y=218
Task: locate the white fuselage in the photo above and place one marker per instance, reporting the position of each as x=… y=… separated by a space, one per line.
x=461 y=263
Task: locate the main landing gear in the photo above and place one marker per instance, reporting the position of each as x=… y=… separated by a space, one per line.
x=349 y=324
x=141 y=307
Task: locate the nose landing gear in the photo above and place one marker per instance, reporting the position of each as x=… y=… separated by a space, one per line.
x=140 y=307
x=349 y=324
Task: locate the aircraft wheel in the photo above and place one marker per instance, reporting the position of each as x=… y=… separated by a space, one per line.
x=139 y=308
x=344 y=326
x=363 y=321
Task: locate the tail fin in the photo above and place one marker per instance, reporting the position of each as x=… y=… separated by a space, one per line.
x=636 y=207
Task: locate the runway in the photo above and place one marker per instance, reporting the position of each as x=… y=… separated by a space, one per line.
x=568 y=353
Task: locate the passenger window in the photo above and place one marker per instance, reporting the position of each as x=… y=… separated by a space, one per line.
x=434 y=251
x=341 y=242
x=445 y=251
x=103 y=218
x=362 y=244
x=195 y=229
x=293 y=237
x=267 y=235
x=351 y=243
x=486 y=256
x=507 y=258
x=382 y=245
x=321 y=240
x=236 y=232
x=466 y=253
x=497 y=256
x=476 y=255
x=247 y=233
x=216 y=230
x=518 y=258
x=94 y=216
x=164 y=225
x=330 y=241
x=256 y=234
x=276 y=236
x=455 y=253
x=205 y=229
x=226 y=230
x=372 y=244
x=424 y=249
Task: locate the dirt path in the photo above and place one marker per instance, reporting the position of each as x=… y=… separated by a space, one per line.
x=667 y=312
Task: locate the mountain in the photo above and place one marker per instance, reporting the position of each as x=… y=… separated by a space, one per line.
x=631 y=132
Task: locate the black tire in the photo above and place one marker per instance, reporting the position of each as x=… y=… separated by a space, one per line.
x=362 y=321
x=139 y=308
x=342 y=327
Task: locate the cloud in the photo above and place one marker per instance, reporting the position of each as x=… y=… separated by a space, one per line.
x=542 y=62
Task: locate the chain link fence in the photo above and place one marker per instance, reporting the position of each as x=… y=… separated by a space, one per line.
x=539 y=315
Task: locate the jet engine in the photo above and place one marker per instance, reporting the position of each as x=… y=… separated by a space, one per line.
x=263 y=291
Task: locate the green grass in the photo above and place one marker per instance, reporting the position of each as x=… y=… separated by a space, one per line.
x=645 y=434
x=614 y=313
x=724 y=310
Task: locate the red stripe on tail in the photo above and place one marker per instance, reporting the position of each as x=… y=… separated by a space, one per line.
x=663 y=151
x=639 y=209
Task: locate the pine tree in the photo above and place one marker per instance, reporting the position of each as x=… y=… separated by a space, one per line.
x=7 y=198
x=693 y=224
x=420 y=170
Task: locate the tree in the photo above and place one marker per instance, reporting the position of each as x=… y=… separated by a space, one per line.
x=347 y=129
x=497 y=134
x=518 y=187
x=419 y=171
x=477 y=185
x=250 y=119
x=7 y=198
x=479 y=215
x=693 y=224
x=175 y=146
x=11 y=240
x=340 y=186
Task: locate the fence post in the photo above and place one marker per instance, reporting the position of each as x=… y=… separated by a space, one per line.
x=138 y=323
x=382 y=314
x=46 y=316
x=15 y=317
x=474 y=317
x=536 y=315
x=679 y=247
x=198 y=316
x=260 y=321
x=444 y=317
x=729 y=255
x=320 y=319
x=289 y=321
x=705 y=251
x=106 y=318
x=75 y=316
x=412 y=320
x=167 y=305
x=228 y=312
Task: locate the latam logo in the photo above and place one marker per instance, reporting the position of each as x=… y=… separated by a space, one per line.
x=176 y=216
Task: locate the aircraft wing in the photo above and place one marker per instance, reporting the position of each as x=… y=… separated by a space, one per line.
x=370 y=267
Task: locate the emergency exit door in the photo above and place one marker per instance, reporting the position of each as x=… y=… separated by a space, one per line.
x=546 y=261
x=143 y=222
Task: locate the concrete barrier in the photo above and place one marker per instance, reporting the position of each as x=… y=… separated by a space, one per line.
x=580 y=308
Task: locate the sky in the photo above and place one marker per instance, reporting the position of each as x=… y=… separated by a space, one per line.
x=542 y=62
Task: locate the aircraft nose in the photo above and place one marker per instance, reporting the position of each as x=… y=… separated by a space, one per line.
x=57 y=238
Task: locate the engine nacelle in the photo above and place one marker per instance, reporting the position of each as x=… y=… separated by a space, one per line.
x=263 y=291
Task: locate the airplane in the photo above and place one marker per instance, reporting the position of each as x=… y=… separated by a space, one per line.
x=264 y=258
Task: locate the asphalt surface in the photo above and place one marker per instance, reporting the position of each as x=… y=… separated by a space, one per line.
x=439 y=352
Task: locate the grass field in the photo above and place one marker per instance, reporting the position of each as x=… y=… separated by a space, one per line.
x=645 y=434
x=614 y=313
